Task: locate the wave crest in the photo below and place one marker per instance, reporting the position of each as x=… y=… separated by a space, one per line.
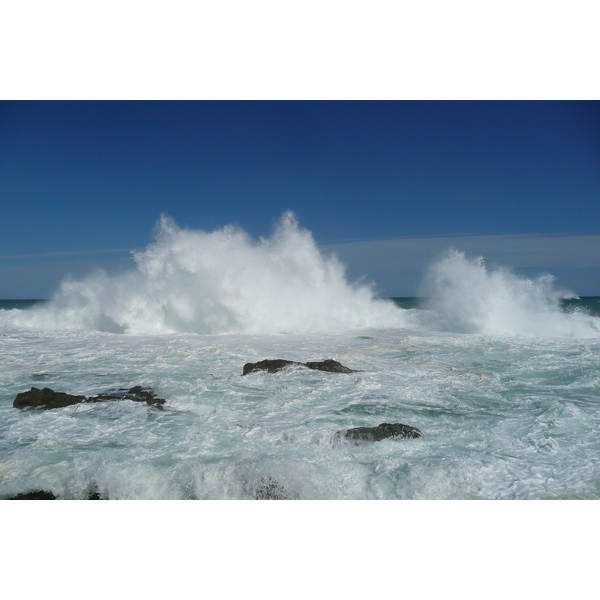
x=220 y=282
x=466 y=296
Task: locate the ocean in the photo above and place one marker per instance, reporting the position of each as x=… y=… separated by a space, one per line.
x=500 y=374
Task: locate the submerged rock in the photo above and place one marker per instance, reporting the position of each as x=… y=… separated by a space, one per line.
x=92 y=494
x=272 y=490
x=381 y=432
x=47 y=398
x=139 y=394
x=332 y=366
x=272 y=366
x=35 y=495
x=136 y=393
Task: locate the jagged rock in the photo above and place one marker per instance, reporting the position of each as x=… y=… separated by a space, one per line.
x=94 y=494
x=381 y=432
x=35 y=495
x=47 y=398
x=272 y=366
x=332 y=366
x=138 y=394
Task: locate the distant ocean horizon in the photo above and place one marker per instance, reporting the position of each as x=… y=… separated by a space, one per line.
x=588 y=304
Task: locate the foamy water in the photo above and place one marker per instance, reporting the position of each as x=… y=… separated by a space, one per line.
x=468 y=297
x=219 y=282
x=501 y=381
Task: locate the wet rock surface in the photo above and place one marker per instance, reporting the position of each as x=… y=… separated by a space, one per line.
x=35 y=495
x=92 y=494
x=48 y=399
x=378 y=433
x=268 y=489
x=274 y=365
x=137 y=394
x=331 y=366
x=271 y=366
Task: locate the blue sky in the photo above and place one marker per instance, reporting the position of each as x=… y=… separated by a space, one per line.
x=387 y=185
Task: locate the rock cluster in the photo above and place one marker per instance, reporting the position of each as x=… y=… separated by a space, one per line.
x=47 y=398
x=35 y=495
x=93 y=494
x=268 y=489
x=272 y=366
x=357 y=434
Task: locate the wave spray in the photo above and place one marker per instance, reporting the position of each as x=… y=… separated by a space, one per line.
x=221 y=282
x=468 y=297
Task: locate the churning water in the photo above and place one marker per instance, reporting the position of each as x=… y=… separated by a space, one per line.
x=500 y=373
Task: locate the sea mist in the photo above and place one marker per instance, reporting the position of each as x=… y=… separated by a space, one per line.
x=468 y=297
x=220 y=282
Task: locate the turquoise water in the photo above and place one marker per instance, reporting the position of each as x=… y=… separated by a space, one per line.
x=502 y=417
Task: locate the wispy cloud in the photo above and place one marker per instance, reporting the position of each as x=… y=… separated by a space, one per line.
x=68 y=253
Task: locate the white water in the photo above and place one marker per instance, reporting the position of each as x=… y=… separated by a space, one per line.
x=502 y=419
x=226 y=282
x=220 y=282
x=502 y=383
x=468 y=297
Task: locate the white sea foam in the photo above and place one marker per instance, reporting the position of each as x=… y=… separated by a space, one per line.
x=220 y=282
x=510 y=419
x=466 y=296
x=224 y=281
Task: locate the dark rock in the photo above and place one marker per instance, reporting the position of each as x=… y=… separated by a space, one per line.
x=272 y=366
x=138 y=394
x=94 y=494
x=381 y=432
x=36 y=495
x=271 y=490
x=47 y=398
x=105 y=398
x=332 y=366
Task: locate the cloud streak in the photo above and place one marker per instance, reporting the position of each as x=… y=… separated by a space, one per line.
x=515 y=251
x=68 y=253
x=410 y=254
x=395 y=265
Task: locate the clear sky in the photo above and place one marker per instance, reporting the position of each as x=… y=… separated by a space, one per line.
x=387 y=185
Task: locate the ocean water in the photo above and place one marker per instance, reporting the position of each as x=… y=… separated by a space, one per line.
x=500 y=373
